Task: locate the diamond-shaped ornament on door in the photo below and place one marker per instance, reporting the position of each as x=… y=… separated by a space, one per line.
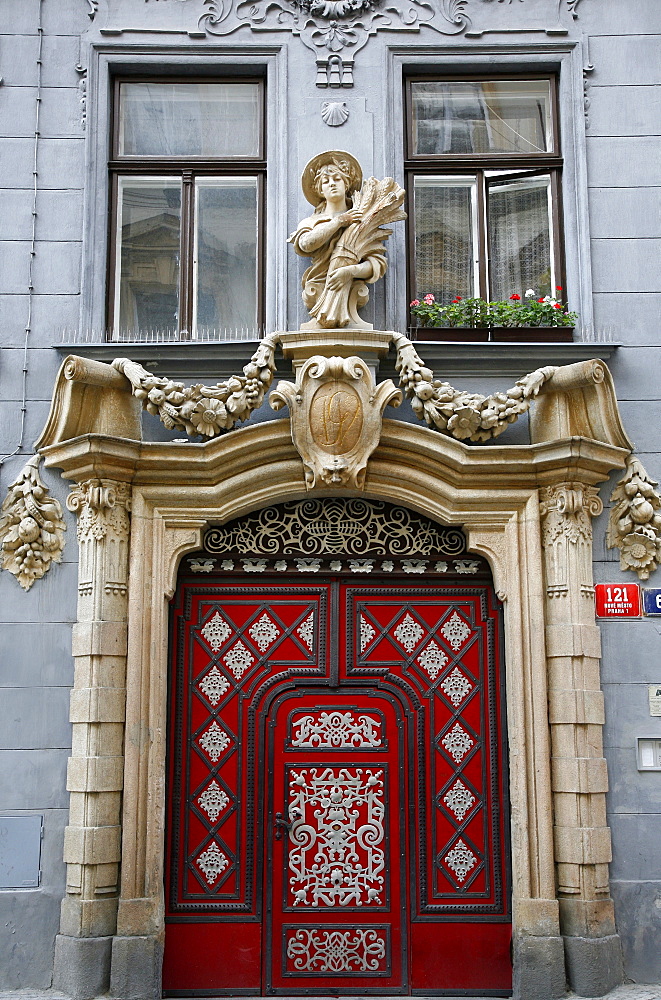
x=216 y=631
x=213 y=685
x=456 y=686
x=264 y=632
x=455 y=631
x=238 y=659
x=408 y=633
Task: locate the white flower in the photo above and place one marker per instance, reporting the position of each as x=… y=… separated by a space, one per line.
x=531 y=293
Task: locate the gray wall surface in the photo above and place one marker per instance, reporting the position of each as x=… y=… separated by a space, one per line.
x=612 y=202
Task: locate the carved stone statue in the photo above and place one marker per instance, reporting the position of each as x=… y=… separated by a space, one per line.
x=344 y=238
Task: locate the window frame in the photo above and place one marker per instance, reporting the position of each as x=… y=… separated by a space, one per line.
x=477 y=165
x=187 y=168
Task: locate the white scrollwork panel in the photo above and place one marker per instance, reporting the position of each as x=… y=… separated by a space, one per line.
x=336 y=730
x=337 y=825
x=356 y=949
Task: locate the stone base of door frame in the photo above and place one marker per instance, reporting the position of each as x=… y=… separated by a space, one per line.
x=136 y=969
x=129 y=968
x=81 y=966
x=594 y=965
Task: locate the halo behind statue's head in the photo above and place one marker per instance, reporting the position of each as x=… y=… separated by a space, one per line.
x=345 y=163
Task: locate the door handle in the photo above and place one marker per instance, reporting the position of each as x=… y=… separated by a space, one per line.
x=283 y=824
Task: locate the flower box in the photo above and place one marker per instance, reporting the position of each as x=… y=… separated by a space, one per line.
x=502 y=334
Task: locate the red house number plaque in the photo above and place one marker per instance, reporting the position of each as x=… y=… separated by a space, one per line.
x=617 y=600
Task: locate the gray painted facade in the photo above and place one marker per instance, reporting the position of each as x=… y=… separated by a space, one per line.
x=609 y=59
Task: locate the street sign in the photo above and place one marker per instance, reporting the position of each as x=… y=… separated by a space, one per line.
x=652 y=600
x=617 y=600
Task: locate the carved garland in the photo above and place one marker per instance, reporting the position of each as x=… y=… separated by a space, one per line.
x=208 y=411
x=201 y=409
x=634 y=525
x=31 y=527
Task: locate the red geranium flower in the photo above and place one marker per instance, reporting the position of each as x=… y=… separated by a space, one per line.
x=416 y=302
x=557 y=306
x=540 y=300
x=515 y=296
x=457 y=298
x=558 y=288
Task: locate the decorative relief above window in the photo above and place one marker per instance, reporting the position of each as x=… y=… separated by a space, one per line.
x=335 y=30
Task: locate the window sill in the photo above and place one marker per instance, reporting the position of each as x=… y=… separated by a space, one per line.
x=217 y=361
x=498 y=335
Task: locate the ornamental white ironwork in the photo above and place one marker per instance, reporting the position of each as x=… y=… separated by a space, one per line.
x=216 y=631
x=459 y=799
x=214 y=685
x=212 y=863
x=336 y=730
x=457 y=742
x=238 y=659
x=367 y=633
x=409 y=633
x=432 y=659
x=215 y=741
x=361 y=565
x=213 y=800
x=460 y=860
x=264 y=632
x=305 y=630
x=308 y=565
x=335 y=525
x=456 y=631
x=334 y=857
x=358 y=949
x=456 y=686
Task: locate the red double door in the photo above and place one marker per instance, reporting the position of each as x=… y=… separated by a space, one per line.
x=336 y=789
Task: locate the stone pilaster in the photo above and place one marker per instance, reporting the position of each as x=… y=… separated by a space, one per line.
x=576 y=716
x=95 y=771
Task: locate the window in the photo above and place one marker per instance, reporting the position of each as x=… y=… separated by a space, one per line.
x=187 y=174
x=483 y=170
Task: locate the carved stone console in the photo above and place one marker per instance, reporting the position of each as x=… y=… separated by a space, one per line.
x=92 y=848
x=576 y=716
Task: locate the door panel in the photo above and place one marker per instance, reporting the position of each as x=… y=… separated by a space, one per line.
x=337 y=788
x=337 y=875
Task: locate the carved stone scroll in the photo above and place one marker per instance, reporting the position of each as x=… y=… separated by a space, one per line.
x=634 y=525
x=335 y=410
x=31 y=527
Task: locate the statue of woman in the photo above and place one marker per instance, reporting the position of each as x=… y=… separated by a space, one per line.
x=343 y=238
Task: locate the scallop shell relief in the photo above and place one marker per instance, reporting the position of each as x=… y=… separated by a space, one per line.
x=334 y=113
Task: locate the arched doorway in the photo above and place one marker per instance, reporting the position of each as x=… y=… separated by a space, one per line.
x=337 y=817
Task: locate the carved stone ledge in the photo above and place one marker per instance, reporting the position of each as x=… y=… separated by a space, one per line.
x=31 y=527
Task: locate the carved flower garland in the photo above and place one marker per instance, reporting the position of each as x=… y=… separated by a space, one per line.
x=463 y=415
x=635 y=521
x=31 y=527
x=201 y=409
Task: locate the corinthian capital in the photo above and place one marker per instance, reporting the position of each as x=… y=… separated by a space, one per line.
x=567 y=509
x=102 y=506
